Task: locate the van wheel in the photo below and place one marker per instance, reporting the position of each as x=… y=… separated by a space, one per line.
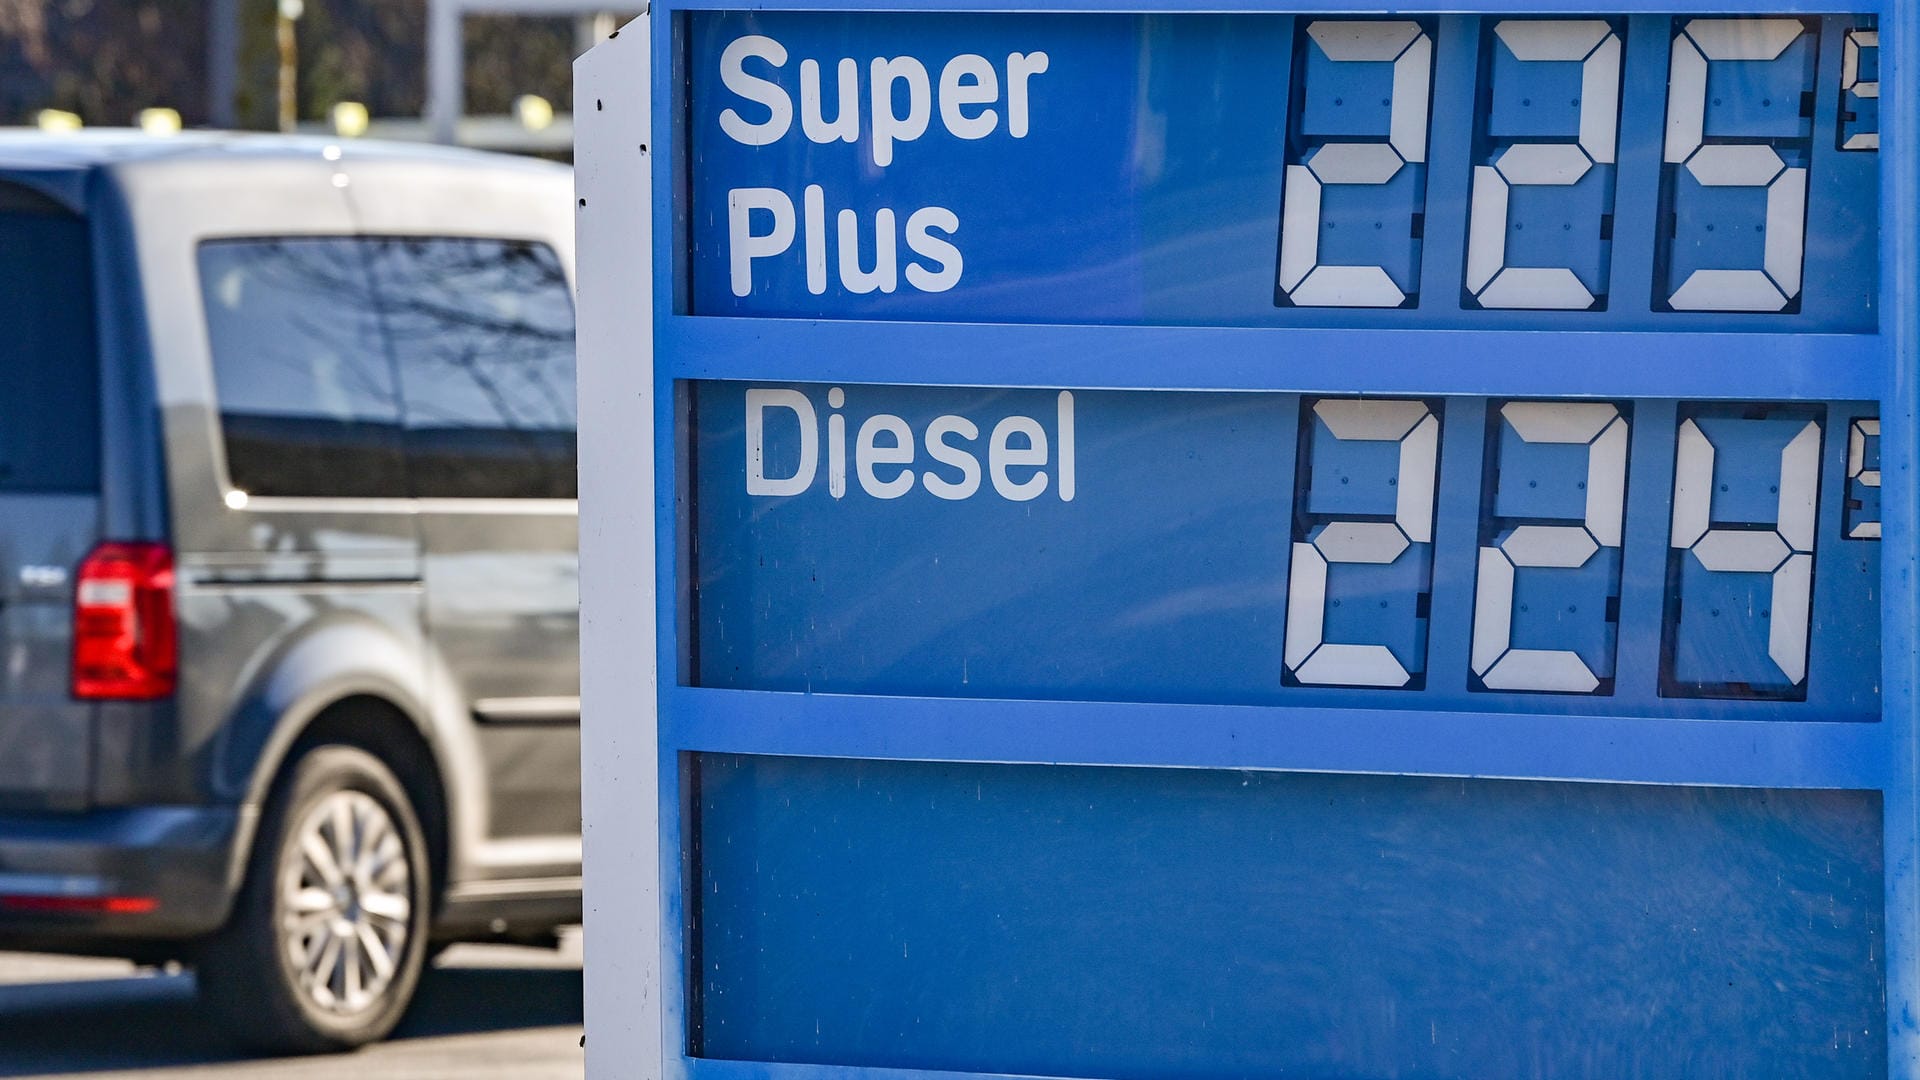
x=329 y=931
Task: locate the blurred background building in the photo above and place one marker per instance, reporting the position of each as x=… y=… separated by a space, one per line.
x=490 y=73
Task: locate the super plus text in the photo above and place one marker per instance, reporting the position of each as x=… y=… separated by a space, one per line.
x=968 y=96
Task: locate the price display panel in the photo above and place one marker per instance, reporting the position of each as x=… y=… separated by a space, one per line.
x=1286 y=543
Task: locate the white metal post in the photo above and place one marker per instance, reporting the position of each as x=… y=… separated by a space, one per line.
x=619 y=680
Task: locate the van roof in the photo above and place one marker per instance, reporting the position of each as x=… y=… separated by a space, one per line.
x=30 y=149
x=59 y=165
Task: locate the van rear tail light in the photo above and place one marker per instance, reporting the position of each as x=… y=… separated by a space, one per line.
x=125 y=644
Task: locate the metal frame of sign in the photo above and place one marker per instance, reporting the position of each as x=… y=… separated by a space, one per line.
x=635 y=346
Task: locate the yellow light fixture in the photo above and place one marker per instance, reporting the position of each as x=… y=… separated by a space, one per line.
x=159 y=121
x=349 y=119
x=57 y=121
x=534 y=112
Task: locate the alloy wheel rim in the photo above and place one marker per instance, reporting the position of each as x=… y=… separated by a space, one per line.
x=346 y=903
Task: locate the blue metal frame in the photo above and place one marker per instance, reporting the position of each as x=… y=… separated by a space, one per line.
x=1885 y=367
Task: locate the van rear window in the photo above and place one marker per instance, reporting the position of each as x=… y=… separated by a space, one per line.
x=49 y=352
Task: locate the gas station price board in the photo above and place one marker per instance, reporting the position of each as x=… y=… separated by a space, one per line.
x=1280 y=542
x=1269 y=548
x=1655 y=172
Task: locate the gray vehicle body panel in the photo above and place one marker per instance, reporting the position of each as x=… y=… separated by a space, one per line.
x=459 y=614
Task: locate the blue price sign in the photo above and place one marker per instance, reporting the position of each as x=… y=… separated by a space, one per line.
x=1286 y=542
x=1333 y=163
x=1268 y=547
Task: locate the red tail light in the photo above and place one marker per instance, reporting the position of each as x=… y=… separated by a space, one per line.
x=81 y=905
x=124 y=640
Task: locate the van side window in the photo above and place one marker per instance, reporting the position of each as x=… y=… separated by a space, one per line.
x=49 y=356
x=306 y=389
x=482 y=336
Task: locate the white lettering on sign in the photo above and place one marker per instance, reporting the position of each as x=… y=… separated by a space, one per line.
x=902 y=102
x=758 y=402
x=966 y=81
x=1023 y=461
x=770 y=233
x=748 y=245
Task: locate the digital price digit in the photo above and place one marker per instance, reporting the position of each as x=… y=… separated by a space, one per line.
x=1740 y=574
x=1363 y=544
x=1736 y=164
x=1540 y=235
x=1546 y=603
x=1860 y=90
x=1356 y=184
x=1863 y=479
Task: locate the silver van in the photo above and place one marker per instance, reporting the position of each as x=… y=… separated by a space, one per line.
x=288 y=588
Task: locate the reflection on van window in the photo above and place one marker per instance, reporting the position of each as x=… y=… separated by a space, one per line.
x=482 y=335
x=49 y=361
x=306 y=389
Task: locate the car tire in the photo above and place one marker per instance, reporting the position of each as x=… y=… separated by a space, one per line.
x=329 y=932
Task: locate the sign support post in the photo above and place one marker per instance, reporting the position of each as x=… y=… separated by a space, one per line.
x=1900 y=299
x=621 y=760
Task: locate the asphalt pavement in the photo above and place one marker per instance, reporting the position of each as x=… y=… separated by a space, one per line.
x=482 y=1011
